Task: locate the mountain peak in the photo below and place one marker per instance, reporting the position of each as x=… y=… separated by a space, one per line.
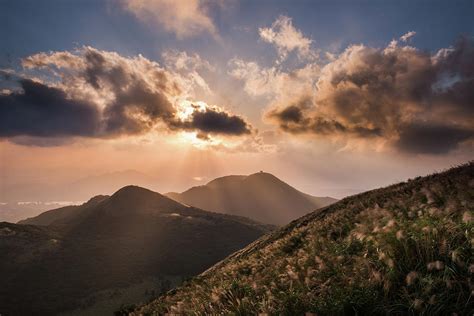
x=260 y=196
x=237 y=179
x=132 y=187
x=137 y=199
x=133 y=190
x=263 y=175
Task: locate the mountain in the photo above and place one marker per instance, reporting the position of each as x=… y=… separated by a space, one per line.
x=260 y=196
x=75 y=256
x=401 y=250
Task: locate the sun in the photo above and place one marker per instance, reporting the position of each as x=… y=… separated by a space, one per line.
x=186 y=108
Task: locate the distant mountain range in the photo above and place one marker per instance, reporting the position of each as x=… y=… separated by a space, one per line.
x=60 y=259
x=401 y=250
x=260 y=196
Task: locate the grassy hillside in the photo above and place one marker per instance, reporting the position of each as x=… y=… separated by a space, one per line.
x=260 y=196
x=110 y=245
x=404 y=249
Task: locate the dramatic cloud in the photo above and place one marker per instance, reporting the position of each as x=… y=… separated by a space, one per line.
x=433 y=139
x=132 y=94
x=44 y=111
x=216 y=122
x=286 y=38
x=96 y=93
x=404 y=97
x=293 y=119
x=184 y=18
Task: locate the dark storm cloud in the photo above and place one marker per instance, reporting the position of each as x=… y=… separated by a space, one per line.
x=292 y=113
x=369 y=92
x=44 y=111
x=295 y=119
x=102 y=94
x=216 y=122
x=432 y=139
x=292 y=119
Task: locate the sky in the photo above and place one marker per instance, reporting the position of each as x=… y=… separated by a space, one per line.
x=333 y=97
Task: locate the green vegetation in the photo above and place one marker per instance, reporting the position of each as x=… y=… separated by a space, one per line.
x=404 y=249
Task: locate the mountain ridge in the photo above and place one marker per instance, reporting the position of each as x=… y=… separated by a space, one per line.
x=260 y=196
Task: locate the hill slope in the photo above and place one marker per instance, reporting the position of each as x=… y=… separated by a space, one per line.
x=110 y=243
x=403 y=249
x=260 y=196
